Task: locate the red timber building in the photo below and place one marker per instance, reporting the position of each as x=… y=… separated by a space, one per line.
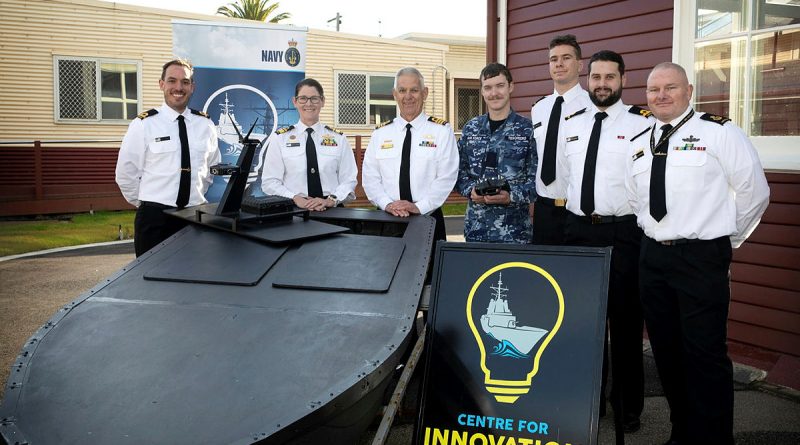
x=743 y=57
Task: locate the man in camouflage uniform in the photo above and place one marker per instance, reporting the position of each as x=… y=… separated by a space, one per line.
x=498 y=144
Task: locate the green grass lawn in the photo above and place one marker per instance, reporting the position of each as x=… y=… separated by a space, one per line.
x=83 y=228
x=27 y=236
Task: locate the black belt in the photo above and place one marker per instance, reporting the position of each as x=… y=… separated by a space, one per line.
x=157 y=205
x=681 y=241
x=600 y=219
x=558 y=202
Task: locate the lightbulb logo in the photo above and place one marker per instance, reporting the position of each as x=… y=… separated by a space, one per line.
x=506 y=325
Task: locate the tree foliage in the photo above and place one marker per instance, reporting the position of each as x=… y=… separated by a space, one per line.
x=259 y=10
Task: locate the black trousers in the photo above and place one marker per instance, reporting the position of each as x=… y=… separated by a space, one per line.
x=685 y=296
x=152 y=226
x=624 y=314
x=548 y=222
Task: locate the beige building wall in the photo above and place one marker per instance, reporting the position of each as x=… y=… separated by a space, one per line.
x=33 y=32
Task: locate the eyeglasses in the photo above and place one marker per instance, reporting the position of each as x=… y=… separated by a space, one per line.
x=314 y=99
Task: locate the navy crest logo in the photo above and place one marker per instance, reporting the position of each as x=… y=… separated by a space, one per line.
x=292 y=54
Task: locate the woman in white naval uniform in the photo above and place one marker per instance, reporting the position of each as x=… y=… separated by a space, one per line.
x=309 y=162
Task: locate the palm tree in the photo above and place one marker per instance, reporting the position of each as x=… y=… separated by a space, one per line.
x=253 y=10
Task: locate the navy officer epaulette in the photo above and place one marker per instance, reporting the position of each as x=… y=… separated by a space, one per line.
x=199 y=113
x=539 y=100
x=148 y=113
x=643 y=132
x=333 y=130
x=436 y=120
x=577 y=113
x=640 y=111
x=383 y=124
x=284 y=129
x=715 y=118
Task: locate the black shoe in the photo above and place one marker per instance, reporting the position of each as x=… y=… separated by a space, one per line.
x=632 y=425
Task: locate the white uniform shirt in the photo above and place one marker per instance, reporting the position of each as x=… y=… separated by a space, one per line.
x=285 y=168
x=613 y=152
x=149 y=162
x=433 y=168
x=715 y=185
x=575 y=99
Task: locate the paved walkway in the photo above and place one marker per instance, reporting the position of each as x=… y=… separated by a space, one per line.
x=34 y=287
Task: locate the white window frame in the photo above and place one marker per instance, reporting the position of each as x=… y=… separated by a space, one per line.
x=368 y=74
x=98 y=90
x=776 y=152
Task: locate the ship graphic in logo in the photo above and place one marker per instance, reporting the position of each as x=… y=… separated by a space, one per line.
x=292 y=54
x=501 y=324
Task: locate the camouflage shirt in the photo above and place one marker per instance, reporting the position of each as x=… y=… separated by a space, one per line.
x=516 y=162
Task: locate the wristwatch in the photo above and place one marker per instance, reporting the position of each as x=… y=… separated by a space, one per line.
x=335 y=200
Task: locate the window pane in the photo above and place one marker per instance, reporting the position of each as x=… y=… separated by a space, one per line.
x=112 y=110
x=381 y=112
x=719 y=79
x=776 y=90
x=770 y=13
x=468 y=105
x=77 y=89
x=131 y=111
x=131 y=86
x=380 y=87
x=110 y=84
x=352 y=100
x=720 y=17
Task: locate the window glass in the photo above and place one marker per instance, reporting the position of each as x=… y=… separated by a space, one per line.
x=352 y=100
x=719 y=78
x=772 y=13
x=720 y=17
x=775 y=75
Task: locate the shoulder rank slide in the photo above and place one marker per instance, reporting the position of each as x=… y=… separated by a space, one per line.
x=148 y=113
x=284 y=129
x=640 y=111
x=579 y=112
x=333 y=130
x=715 y=118
x=383 y=124
x=539 y=100
x=436 y=120
x=200 y=113
x=643 y=132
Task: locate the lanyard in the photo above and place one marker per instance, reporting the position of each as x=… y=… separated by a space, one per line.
x=666 y=137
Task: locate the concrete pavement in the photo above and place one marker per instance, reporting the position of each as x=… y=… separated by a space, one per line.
x=34 y=287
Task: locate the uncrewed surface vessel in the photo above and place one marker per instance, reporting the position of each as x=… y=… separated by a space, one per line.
x=284 y=332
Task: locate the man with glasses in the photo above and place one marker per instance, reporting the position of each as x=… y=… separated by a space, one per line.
x=411 y=162
x=309 y=162
x=164 y=158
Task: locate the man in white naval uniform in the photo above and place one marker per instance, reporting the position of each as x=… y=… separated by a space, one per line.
x=318 y=173
x=697 y=187
x=596 y=151
x=547 y=114
x=411 y=163
x=164 y=158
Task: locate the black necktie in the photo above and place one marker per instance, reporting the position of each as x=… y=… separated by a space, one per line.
x=405 y=167
x=590 y=164
x=550 y=141
x=658 y=199
x=312 y=168
x=186 y=165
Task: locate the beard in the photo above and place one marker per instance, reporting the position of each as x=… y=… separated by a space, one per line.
x=612 y=98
